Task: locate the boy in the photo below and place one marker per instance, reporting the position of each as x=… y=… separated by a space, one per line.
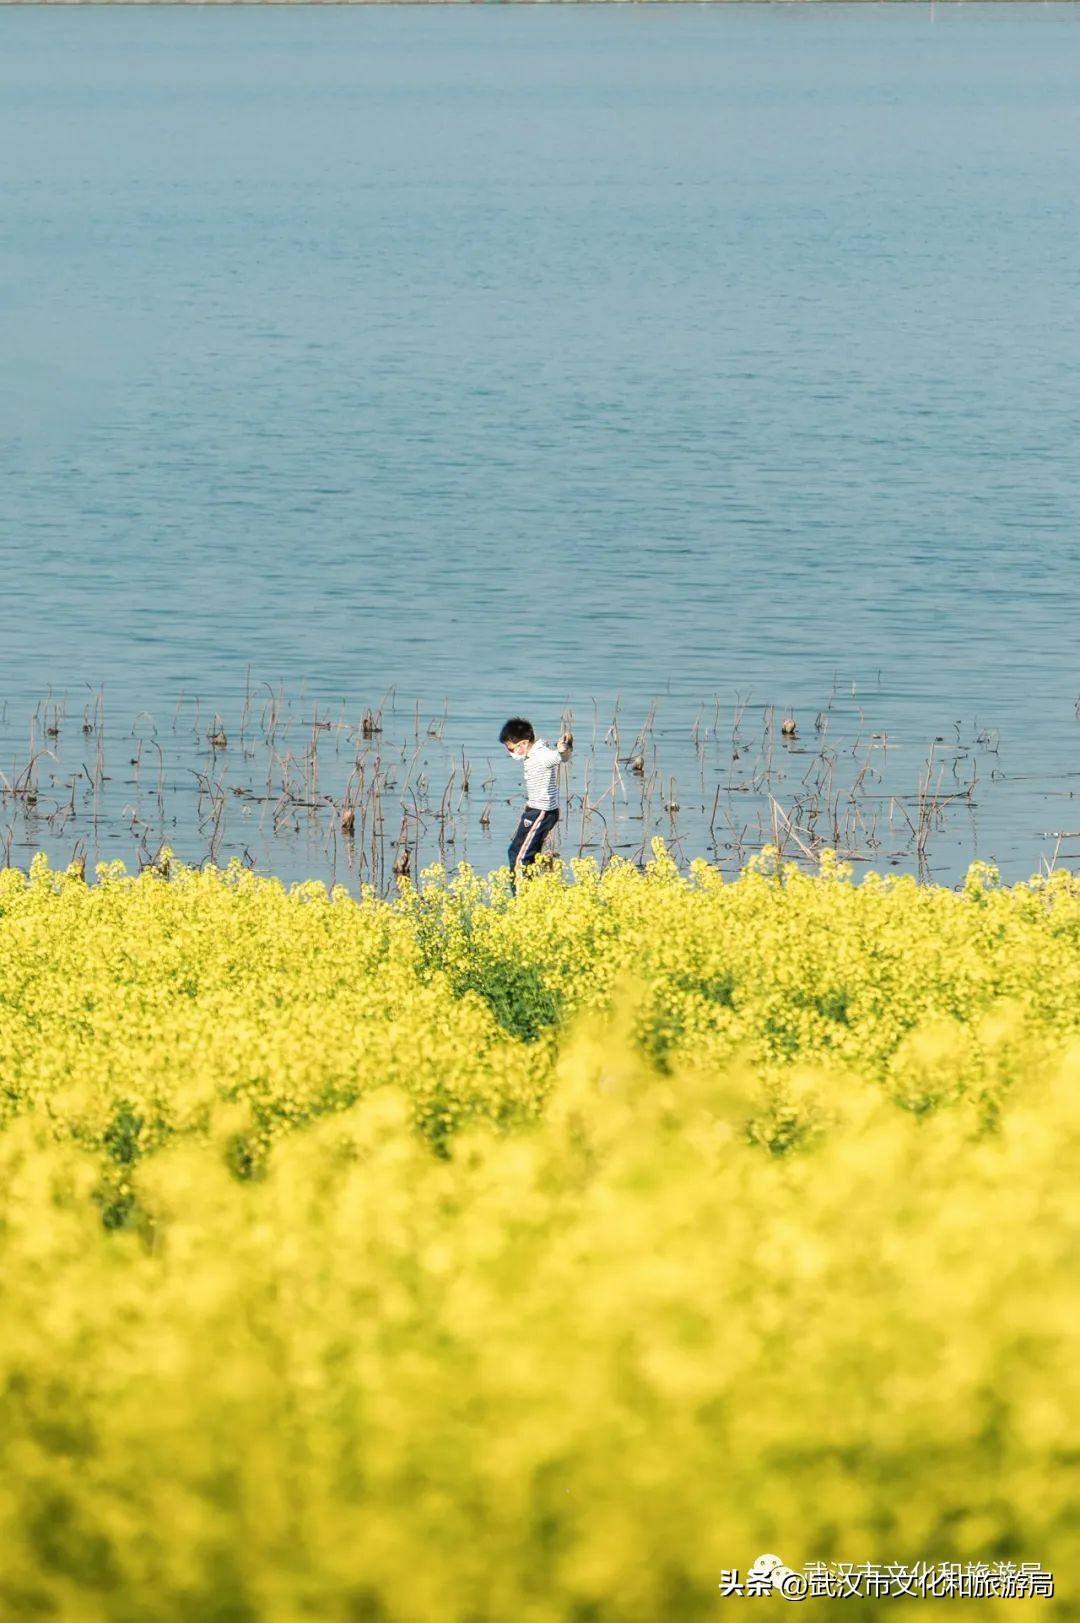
x=541 y=813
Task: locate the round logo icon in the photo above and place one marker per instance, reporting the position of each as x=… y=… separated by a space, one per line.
x=785 y=1580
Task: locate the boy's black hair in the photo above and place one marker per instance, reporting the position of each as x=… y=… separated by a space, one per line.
x=516 y=731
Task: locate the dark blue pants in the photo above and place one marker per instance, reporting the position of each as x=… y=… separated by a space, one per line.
x=530 y=834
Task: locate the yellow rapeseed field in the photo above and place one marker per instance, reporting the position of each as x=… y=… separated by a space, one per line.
x=470 y=1259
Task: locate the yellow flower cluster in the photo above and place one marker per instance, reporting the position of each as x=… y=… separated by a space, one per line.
x=470 y=1257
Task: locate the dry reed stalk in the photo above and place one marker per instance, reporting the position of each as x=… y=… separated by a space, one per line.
x=612 y=734
x=712 y=818
x=927 y=805
x=585 y=817
x=443 y=816
x=246 y=711
x=402 y=859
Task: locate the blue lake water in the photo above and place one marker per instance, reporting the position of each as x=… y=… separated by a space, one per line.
x=520 y=358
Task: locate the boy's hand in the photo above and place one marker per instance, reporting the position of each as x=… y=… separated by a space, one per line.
x=565 y=744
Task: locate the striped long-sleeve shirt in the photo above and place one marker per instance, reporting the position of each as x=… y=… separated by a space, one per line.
x=542 y=776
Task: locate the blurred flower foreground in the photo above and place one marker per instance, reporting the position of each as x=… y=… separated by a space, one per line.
x=475 y=1258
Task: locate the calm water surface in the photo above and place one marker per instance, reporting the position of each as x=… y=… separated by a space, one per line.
x=517 y=358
